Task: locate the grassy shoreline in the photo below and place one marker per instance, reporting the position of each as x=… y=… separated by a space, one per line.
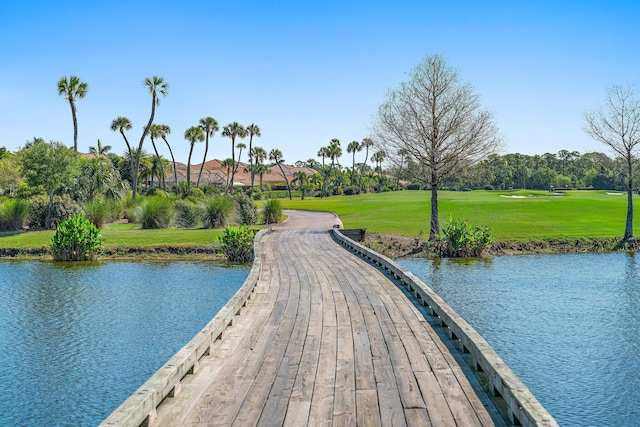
x=522 y=221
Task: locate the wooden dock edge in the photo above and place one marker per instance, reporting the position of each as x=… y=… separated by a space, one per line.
x=140 y=408
x=522 y=406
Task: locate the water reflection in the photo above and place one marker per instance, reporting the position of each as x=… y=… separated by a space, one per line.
x=568 y=325
x=77 y=339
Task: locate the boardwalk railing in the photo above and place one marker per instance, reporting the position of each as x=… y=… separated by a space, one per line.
x=140 y=408
x=522 y=406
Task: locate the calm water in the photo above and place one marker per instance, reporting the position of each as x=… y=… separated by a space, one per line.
x=567 y=325
x=76 y=341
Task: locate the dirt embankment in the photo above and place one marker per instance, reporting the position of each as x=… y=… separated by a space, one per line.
x=401 y=246
x=133 y=252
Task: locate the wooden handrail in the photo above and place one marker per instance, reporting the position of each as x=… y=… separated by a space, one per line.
x=522 y=406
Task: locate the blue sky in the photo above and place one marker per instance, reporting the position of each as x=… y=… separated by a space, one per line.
x=307 y=72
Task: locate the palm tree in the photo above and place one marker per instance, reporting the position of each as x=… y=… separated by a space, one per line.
x=275 y=156
x=193 y=134
x=252 y=130
x=227 y=163
x=233 y=130
x=303 y=181
x=101 y=149
x=258 y=168
x=163 y=131
x=334 y=151
x=379 y=157
x=352 y=148
x=366 y=143
x=121 y=124
x=73 y=88
x=209 y=126
x=323 y=152
x=154 y=132
x=261 y=169
x=157 y=169
x=239 y=146
x=156 y=86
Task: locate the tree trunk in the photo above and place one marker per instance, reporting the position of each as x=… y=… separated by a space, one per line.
x=173 y=160
x=233 y=165
x=628 y=229
x=139 y=153
x=204 y=159
x=189 y=169
x=434 y=230
x=75 y=124
x=153 y=143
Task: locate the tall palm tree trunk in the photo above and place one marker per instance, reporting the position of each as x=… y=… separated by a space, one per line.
x=233 y=164
x=75 y=123
x=189 y=170
x=144 y=135
x=153 y=143
x=173 y=160
x=204 y=159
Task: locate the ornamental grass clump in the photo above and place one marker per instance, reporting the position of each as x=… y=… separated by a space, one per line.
x=463 y=240
x=156 y=212
x=76 y=239
x=237 y=243
x=217 y=211
x=13 y=214
x=272 y=211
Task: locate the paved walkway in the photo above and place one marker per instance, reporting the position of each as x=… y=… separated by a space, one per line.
x=326 y=340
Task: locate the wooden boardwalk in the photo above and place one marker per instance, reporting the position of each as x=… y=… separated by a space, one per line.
x=326 y=340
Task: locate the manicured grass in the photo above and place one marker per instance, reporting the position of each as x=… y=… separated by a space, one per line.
x=534 y=215
x=531 y=215
x=122 y=235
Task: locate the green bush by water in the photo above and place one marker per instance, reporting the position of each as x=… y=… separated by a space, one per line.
x=464 y=240
x=76 y=239
x=237 y=243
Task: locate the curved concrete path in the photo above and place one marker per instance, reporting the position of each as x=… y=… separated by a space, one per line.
x=327 y=340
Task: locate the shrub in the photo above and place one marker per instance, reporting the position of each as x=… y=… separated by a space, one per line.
x=187 y=214
x=217 y=211
x=352 y=190
x=272 y=211
x=76 y=239
x=414 y=186
x=99 y=212
x=156 y=212
x=247 y=211
x=463 y=240
x=237 y=243
x=155 y=191
x=61 y=208
x=257 y=195
x=13 y=214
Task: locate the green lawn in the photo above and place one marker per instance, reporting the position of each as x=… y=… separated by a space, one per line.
x=531 y=215
x=122 y=235
x=534 y=215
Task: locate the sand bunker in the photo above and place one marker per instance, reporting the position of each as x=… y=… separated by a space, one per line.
x=516 y=197
x=615 y=194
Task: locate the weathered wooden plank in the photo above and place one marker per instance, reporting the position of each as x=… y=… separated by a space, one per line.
x=325 y=340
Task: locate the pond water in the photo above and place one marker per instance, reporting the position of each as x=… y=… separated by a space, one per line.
x=567 y=325
x=77 y=339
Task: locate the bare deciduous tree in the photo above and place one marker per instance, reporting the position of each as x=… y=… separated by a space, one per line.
x=616 y=123
x=437 y=120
